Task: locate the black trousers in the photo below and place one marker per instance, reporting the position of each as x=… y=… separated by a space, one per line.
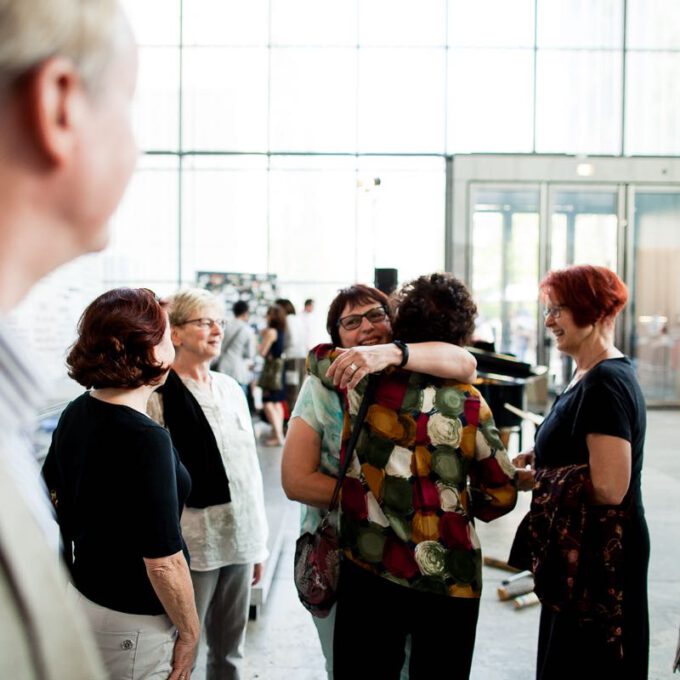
x=568 y=649
x=375 y=615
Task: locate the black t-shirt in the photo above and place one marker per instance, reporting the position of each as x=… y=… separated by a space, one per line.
x=120 y=489
x=608 y=400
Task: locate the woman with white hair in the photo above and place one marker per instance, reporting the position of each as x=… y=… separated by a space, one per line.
x=224 y=522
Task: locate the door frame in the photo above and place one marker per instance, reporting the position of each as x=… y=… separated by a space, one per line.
x=550 y=172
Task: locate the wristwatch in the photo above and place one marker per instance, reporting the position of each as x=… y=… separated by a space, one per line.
x=404 y=352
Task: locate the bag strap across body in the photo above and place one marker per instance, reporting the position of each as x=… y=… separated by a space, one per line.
x=356 y=430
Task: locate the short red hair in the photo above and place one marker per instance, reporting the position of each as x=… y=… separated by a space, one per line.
x=117 y=335
x=591 y=293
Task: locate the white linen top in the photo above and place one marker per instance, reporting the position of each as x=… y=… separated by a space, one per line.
x=235 y=532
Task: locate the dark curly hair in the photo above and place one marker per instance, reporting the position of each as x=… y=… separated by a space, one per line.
x=117 y=334
x=434 y=307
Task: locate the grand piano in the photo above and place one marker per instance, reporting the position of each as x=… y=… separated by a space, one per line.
x=504 y=379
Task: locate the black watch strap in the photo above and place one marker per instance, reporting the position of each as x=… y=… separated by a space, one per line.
x=404 y=352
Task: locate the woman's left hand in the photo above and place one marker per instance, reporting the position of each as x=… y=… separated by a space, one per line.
x=258 y=571
x=353 y=364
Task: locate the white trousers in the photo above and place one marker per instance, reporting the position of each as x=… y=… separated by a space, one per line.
x=223 y=603
x=132 y=646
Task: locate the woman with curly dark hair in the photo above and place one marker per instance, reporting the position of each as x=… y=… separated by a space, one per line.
x=428 y=461
x=119 y=488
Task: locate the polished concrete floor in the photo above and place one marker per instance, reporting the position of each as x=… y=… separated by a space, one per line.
x=282 y=642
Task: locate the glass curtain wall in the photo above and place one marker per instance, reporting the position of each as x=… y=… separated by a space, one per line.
x=309 y=139
x=505 y=233
x=656 y=305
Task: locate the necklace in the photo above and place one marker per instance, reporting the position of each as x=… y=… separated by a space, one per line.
x=580 y=372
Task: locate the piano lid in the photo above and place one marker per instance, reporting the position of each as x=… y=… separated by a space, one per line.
x=502 y=366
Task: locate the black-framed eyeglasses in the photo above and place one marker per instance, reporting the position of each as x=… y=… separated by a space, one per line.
x=205 y=322
x=553 y=311
x=353 y=321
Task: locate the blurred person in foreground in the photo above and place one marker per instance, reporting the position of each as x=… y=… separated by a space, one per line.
x=119 y=489
x=67 y=74
x=224 y=522
x=586 y=536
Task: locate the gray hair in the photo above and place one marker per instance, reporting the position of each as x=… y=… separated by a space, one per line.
x=185 y=303
x=32 y=31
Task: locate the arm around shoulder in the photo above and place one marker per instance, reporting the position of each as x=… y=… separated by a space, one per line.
x=443 y=360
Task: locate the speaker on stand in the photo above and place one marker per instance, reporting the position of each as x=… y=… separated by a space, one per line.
x=386 y=280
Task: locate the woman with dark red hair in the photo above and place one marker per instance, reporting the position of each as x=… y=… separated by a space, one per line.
x=119 y=488
x=585 y=536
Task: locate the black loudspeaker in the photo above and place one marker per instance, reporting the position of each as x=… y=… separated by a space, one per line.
x=386 y=280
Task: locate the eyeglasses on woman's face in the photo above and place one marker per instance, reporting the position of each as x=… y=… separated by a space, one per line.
x=553 y=311
x=205 y=322
x=352 y=321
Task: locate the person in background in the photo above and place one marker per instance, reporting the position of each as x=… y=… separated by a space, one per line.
x=308 y=318
x=295 y=352
x=428 y=462
x=119 y=488
x=598 y=423
x=67 y=75
x=238 y=347
x=271 y=345
x=224 y=521
x=311 y=454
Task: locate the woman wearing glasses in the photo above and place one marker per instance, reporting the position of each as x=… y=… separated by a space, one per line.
x=272 y=346
x=588 y=455
x=357 y=321
x=118 y=488
x=224 y=521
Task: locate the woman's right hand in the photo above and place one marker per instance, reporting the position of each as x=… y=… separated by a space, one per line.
x=183 y=659
x=525 y=477
x=524 y=459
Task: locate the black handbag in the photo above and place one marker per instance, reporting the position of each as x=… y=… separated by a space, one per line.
x=317 y=555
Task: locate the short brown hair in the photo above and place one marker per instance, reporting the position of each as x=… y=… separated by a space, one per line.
x=358 y=294
x=591 y=293
x=117 y=334
x=436 y=307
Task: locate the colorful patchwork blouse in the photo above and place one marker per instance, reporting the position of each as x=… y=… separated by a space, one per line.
x=428 y=461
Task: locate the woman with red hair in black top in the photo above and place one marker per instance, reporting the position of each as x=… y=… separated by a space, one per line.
x=597 y=426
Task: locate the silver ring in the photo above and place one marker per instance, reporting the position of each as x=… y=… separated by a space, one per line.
x=354 y=367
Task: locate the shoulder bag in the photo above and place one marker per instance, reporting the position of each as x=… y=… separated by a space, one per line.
x=317 y=555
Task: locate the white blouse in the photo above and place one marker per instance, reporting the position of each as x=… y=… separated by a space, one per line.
x=235 y=532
